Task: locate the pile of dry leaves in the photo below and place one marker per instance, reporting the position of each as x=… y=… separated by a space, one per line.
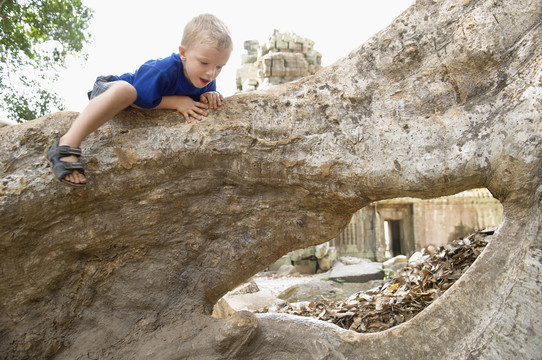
x=411 y=290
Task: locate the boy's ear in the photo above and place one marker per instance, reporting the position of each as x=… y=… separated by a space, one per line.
x=182 y=52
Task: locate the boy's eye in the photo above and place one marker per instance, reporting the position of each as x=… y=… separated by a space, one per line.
x=203 y=63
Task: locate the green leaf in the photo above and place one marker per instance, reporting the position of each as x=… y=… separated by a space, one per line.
x=26 y=26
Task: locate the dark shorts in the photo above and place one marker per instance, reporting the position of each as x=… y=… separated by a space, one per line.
x=101 y=85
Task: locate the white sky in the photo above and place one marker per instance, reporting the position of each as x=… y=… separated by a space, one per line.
x=128 y=33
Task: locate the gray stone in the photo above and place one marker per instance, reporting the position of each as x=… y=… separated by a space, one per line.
x=319 y=290
x=399 y=259
x=350 y=260
x=321 y=250
x=359 y=273
x=222 y=310
x=325 y=263
x=286 y=270
x=235 y=334
x=277 y=265
x=302 y=254
x=306 y=266
x=248 y=288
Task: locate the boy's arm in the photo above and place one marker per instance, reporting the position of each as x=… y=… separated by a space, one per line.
x=185 y=105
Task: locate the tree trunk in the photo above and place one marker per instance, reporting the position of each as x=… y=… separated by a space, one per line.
x=447 y=98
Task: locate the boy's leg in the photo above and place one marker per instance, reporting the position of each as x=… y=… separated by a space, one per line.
x=98 y=111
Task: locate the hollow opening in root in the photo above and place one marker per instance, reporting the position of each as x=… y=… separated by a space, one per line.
x=415 y=249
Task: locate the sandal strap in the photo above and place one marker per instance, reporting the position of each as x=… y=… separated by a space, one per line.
x=62 y=150
x=72 y=166
x=68 y=150
x=63 y=168
x=71 y=150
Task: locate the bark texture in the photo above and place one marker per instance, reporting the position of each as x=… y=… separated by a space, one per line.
x=447 y=98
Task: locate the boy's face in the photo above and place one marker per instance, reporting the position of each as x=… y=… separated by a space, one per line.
x=203 y=62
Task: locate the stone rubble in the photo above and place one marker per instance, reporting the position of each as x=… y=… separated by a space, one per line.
x=309 y=260
x=358 y=273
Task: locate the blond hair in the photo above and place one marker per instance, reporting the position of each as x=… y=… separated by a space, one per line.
x=207 y=29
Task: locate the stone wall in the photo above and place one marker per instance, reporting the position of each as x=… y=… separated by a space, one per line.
x=420 y=223
x=283 y=58
x=439 y=221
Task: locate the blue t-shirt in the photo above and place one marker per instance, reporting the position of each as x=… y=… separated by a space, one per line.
x=162 y=77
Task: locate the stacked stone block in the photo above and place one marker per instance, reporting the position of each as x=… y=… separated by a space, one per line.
x=283 y=58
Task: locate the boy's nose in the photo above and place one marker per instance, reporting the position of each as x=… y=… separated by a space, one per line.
x=211 y=72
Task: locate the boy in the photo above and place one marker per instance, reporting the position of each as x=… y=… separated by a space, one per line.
x=185 y=81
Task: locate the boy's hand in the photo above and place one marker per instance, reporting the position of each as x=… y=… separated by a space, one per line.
x=212 y=98
x=190 y=108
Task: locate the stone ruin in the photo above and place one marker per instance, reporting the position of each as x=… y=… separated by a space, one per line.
x=447 y=98
x=284 y=57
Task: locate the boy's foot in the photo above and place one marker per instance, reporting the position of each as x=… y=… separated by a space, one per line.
x=65 y=165
x=75 y=177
